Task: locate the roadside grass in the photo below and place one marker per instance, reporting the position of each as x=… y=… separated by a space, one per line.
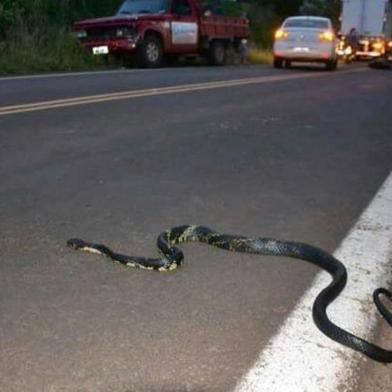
x=59 y=51
x=29 y=53
x=260 y=56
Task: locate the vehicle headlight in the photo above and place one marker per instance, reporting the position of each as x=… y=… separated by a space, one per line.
x=81 y=34
x=378 y=45
x=348 y=50
x=122 y=32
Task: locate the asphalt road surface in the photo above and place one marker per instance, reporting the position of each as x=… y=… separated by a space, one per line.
x=294 y=154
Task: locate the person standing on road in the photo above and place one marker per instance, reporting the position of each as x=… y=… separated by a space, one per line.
x=352 y=39
x=243 y=50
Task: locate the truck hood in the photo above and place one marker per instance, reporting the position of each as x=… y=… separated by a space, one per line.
x=115 y=20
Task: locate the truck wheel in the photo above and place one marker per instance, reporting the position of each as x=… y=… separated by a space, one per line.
x=278 y=62
x=331 y=65
x=150 y=52
x=217 y=53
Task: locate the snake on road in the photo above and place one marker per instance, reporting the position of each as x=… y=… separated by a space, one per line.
x=171 y=257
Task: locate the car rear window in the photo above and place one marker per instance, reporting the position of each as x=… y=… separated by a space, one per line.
x=307 y=23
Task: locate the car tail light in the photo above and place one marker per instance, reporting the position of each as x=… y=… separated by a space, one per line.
x=281 y=34
x=327 y=36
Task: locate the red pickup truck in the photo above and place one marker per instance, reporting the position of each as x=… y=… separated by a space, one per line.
x=153 y=29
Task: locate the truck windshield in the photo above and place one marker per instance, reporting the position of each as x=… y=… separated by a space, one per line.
x=130 y=7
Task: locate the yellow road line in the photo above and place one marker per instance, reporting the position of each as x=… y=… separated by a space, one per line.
x=89 y=99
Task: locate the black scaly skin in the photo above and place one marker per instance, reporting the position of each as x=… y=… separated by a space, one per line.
x=171 y=258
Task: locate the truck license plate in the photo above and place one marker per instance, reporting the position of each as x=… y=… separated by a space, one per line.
x=100 y=50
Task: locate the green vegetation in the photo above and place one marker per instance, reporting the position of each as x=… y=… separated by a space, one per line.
x=35 y=34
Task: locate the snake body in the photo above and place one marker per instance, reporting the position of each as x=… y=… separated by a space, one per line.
x=171 y=257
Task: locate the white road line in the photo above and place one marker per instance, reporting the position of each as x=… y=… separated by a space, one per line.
x=300 y=358
x=119 y=72
x=106 y=72
x=82 y=73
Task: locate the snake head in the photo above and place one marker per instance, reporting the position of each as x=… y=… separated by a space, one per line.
x=76 y=243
